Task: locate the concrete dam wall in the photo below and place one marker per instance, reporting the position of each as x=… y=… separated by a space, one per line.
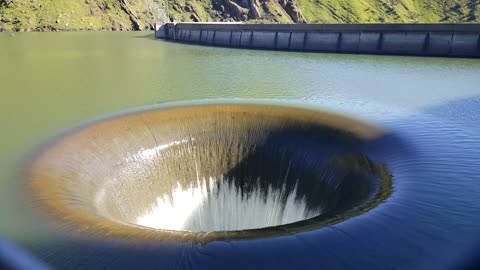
x=447 y=40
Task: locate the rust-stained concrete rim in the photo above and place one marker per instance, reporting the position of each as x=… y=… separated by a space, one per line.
x=64 y=175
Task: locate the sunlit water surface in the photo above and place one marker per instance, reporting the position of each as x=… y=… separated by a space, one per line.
x=207 y=207
x=53 y=81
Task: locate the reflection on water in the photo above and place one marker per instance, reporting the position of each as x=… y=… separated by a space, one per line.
x=55 y=80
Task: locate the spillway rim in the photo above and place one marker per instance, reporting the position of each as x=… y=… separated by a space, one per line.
x=88 y=222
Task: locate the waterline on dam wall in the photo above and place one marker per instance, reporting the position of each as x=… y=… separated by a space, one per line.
x=445 y=40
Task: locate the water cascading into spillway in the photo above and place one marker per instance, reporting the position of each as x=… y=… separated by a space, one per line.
x=218 y=205
x=212 y=172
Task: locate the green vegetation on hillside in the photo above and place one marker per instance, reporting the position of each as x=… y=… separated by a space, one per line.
x=391 y=11
x=78 y=14
x=48 y=15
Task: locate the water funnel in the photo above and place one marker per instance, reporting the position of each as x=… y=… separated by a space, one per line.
x=211 y=172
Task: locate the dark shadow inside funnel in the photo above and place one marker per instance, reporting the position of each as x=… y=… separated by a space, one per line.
x=321 y=165
x=213 y=172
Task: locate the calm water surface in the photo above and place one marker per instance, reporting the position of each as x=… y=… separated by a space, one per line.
x=53 y=81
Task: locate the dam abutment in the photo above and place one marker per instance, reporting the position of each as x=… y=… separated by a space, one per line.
x=445 y=40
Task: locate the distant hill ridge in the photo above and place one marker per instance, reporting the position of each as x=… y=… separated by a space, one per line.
x=51 y=15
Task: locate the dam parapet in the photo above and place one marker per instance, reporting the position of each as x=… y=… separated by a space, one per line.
x=446 y=40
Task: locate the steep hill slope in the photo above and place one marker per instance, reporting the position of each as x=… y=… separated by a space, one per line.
x=40 y=15
x=375 y=11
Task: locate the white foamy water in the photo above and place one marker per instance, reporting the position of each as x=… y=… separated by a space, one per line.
x=207 y=206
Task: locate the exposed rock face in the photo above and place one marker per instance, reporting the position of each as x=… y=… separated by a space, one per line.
x=293 y=10
x=133 y=17
x=240 y=10
x=123 y=15
x=237 y=11
x=254 y=7
x=257 y=9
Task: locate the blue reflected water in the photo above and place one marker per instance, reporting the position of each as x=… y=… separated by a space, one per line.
x=430 y=221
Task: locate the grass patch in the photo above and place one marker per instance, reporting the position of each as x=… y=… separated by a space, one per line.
x=21 y=15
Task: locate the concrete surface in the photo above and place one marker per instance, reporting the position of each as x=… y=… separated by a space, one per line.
x=448 y=40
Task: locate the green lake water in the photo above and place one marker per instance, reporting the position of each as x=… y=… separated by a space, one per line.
x=52 y=81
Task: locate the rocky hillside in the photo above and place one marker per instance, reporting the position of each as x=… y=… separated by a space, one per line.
x=48 y=15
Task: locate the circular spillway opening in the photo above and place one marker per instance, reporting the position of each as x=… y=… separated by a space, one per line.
x=216 y=171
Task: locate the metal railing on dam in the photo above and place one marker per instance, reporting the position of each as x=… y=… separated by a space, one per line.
x=447 y=40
